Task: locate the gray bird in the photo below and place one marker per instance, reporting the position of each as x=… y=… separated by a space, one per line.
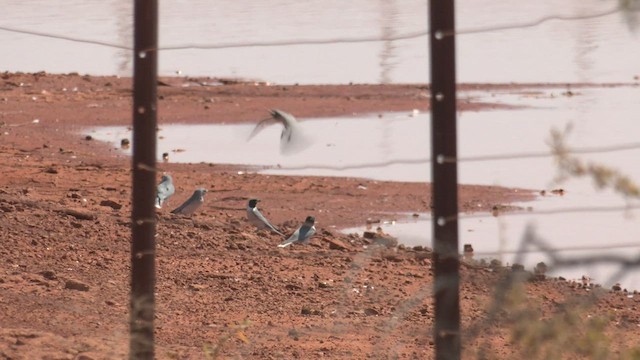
x=192 y=204
x=256 y=218
x=291 y=138
x=303 y=233
x=165 y=190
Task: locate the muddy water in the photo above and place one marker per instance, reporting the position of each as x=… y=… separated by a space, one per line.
x=395 y=146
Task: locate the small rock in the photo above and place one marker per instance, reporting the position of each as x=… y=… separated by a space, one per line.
x=616 y=287
x=368 y=234
x=83 y=357
x=197 y=287
x=335 y=244
x=517 y=267
x=51 y=170
x=292 y=287
x=371 y=312
x=76 y=285
x=88 y=137
x=540 y=268
x=112 y=204
x=79 y=214
x=48 y=274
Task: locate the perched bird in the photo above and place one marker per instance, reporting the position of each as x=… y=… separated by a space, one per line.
x=291 y=138
x=256 y=218
x=303 y=233
x=165 y=190
x=192 y=204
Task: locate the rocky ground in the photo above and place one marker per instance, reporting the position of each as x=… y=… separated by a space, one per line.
x=224 y=289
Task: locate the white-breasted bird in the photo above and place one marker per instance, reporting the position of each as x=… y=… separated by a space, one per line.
x=256 y=218
x=192 y=204
x=165 y=190
x=292 y=138
x=303 y=233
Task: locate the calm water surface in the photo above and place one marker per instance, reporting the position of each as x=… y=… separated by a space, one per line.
x=602 y=49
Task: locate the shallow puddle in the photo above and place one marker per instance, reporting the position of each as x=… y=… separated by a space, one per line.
x=395 y=146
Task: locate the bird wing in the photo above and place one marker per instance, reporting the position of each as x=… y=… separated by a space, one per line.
x=293 y=238
x=286 y=118
x=303 y=234
x=306 y=232
x=264 y=220
x=187 y=207
x=165 y=189
x=261 y=125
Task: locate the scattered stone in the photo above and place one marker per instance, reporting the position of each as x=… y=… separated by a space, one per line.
x=112 y=204
x=51 y=170
x=368 y=234
x=393 y=257
x=384 y=239
x=197 y=287
x=294 y=334
x=292 y=287
x=308 y=311
x=48 y=274
x=335 y=244
x=88 y=137
x=125 y=143
x=324 y=285
x=371 y=312
x=75 y=285
x=80 y=214
x=83 y=357
x=540 y=268
x=517 y=267
x=616 y=287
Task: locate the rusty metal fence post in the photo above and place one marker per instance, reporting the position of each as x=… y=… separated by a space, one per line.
x=143 y=217
x=445 y=179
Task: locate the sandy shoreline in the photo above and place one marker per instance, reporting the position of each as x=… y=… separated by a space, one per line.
x=64 y=220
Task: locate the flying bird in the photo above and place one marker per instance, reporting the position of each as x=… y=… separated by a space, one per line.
x=292 y=138
x=303 y=233
x=165 y=190
x=256 y=218
x=192 y=204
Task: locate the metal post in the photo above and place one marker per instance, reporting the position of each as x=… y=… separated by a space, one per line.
x=143 y=217
x=445 y=179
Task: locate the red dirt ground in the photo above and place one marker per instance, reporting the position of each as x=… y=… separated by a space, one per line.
x=64 y=254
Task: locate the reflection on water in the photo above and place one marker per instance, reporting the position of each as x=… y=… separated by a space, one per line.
x=344 y=147
x=124 y=14
x=595 y=50
x=388 y=20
